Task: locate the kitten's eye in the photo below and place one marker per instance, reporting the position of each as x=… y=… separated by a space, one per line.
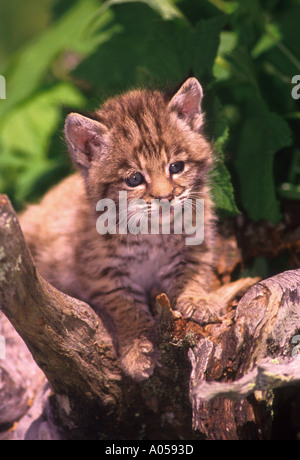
x=135 y=179
x=176 y=168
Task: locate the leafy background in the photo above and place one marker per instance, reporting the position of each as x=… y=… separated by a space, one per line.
x=63 y=55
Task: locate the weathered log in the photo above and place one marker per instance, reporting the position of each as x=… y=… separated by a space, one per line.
x=66 y=338
x=247 y=361
x=70 y=343
x=227 y=380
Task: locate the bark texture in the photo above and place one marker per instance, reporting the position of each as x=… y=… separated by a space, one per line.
x=60 y=378
x=236 y=370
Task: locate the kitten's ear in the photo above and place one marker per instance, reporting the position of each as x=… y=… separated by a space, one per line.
x=187 y=101
x=86 y=139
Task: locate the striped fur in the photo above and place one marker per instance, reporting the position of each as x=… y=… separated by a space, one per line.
x=117 y=274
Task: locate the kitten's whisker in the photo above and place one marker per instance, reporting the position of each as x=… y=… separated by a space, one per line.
x=123 y=219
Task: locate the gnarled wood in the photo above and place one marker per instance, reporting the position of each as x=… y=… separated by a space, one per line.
x=69 y=342
x=255 y=354
x=66 y=338
x=228 y=380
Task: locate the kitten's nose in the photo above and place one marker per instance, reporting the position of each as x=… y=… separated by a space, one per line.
x=168 y=197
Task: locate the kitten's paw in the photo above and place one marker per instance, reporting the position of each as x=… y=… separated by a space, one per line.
x=201 y=310
x=138 y=360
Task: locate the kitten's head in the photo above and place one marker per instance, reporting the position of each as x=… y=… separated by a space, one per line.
x=145 y=144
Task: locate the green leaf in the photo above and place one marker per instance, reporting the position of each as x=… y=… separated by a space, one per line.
x=223 y=192
x=143 y=50
x=25 y=136
x=227 y=7
x=29 y=67
x=148 y=50
x=222 y=188
x=269 y=39
x=263 y=133
x=165 y=8
x=116 y=63
x=218 y=130
x=207 y=40
x=248 y=21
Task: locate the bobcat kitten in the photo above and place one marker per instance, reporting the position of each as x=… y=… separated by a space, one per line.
x=152 y=147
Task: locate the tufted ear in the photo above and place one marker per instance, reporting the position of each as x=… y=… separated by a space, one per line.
x=187 y=100
x=86 y=138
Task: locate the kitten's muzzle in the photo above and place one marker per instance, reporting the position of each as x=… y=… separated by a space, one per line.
x=168 y=197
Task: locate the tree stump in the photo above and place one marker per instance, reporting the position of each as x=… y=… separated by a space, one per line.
x=238 y=379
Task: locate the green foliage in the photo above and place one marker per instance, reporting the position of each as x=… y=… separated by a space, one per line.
x=244 y=53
